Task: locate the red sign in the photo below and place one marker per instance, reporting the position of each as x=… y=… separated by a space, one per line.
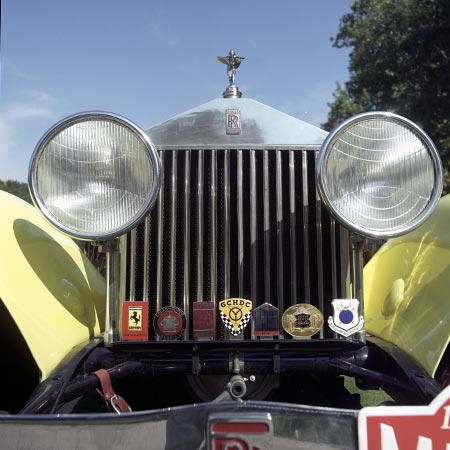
x=247 y=431
x=135 y=321
x=406 y=427
x=204 y=320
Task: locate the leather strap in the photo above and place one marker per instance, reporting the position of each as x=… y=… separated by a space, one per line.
x=108 y=395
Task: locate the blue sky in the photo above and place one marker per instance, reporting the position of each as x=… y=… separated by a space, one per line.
x=149 y=60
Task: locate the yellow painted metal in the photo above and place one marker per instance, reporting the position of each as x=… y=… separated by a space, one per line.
x=407 y=290
x=52 y=291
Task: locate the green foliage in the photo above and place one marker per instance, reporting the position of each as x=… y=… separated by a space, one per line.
x=16 y=188
x=399 y=62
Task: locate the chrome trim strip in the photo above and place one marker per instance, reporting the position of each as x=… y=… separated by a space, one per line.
x=344 y=244
x=146 y=267
x=227 y=223
x=240 y=219
x=293 y=225
x=160 y=239
x=319 y=230
x=187 y=238
x=123 y=268
x=133 y=265
x=253 y=229
x=113 y=305
x=200 y=233
x=173 y=227
x=334 y=292
x=306 y=271
x=279 y=215
x=213 y=225
x=357 y=279
x=266 y=226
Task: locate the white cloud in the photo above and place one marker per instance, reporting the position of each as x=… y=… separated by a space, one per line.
x=15 y=117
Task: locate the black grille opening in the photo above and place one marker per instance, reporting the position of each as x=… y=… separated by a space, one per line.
x=292 y=255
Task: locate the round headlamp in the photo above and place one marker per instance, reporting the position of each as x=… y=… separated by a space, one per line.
x=94 y=175
x=379 y=174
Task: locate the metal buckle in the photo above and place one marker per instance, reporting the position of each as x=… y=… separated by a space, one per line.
x=115 y=405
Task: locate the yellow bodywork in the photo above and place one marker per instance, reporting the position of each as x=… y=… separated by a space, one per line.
x=54 y=294
x=407 y=290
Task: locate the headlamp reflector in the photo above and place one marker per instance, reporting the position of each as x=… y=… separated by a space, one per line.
x=94 y=175
x=379 y=174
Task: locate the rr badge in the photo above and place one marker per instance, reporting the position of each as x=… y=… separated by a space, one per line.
x=345 y=320
x=135 y=321
x=169 y=323
x=235 y=314
x=302 y=320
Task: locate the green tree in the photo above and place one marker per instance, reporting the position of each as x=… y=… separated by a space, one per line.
x=399 y=62
x=16 y=188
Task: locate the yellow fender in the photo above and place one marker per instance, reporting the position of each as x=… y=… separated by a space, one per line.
x=407 y=290
x=52 y=291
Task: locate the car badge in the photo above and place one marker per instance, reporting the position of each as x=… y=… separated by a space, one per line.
x=265 y=321
x=302 y=320
x=135 y=321
x=169 y=323
x=248 y=431
x=233 y=121
x=346 y=320
x=204 y=320
x=235 y=314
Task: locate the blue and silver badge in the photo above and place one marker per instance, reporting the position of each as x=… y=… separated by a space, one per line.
x=345 y=320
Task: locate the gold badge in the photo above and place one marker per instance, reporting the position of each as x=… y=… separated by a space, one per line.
x=302 y=320
x=235 y=314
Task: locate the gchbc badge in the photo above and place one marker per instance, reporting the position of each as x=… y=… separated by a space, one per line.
x=235 y=314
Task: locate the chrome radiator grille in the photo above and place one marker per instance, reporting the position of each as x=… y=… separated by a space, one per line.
x=236 y=223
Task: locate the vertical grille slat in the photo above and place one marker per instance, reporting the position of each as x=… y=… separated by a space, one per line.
x=200 y=224
x=146 y=262
x=173 y=228
x=240 y=222
x=237 y=223
x=213 y=227
x=253 y=229
x=319 y=252
x=280 y=246
x=306 y=254
x=227 y=275
x=160 y=237
x=293 y=227
x=187 y=241
x=266 y=187
x=133 y=264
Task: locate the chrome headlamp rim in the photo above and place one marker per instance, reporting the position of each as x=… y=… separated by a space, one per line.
x=432 y=150
x=82 y=117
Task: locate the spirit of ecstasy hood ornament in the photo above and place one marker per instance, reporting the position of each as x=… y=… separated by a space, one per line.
x=232 y=61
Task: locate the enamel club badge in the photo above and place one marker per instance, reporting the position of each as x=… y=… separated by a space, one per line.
x=235 y=314
x=302 y=320
x=169 y=323
x=345 y=320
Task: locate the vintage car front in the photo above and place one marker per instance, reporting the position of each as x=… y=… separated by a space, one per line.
x=232 y=312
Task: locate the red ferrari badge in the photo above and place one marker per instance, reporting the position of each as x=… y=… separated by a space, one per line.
x=135 y=321
x=406 y=427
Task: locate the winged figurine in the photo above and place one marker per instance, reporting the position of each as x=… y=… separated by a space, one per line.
x=232 y=61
